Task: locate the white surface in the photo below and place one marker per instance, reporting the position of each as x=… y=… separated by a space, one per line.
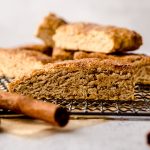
x=114 y=135
x=18 y=22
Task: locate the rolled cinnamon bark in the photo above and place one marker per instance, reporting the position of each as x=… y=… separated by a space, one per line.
x=48 y=112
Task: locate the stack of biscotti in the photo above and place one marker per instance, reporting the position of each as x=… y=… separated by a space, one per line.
x=47 y=30
x=104 y=42
x=86 y=40
x=99 y=66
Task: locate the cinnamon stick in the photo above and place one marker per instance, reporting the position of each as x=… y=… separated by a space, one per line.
x=48 y=112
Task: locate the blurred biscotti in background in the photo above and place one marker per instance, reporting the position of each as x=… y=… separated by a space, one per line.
x=15 y=62
x=61 y=54
x=48 y=27
x=96 y=38
x=36 y=47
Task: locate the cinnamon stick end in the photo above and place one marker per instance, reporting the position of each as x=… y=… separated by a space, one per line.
x=62 y=116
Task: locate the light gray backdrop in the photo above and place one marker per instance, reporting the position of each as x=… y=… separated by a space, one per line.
x=19 y=18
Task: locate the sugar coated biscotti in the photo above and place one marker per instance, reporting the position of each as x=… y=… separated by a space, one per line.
x=15 y=62
x=140 y=61
x=48 y=27
x=96 y=38
x=79 y=79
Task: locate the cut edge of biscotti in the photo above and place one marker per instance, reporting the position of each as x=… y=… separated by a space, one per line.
x=96 y=38
x=47 y=28
x=90 y=79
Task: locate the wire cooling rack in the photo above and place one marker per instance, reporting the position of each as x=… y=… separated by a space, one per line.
x=108 y=109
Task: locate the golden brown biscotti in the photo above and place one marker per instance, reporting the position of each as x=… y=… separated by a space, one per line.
x=96 y=38
x=13 y=63
x=141 y=61
x=79 y=79
x=36 y=47
x=48 y=27
x=61 y=54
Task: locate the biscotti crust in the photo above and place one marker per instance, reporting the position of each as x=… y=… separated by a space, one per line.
x=130 y=57
x=48 y=27
x=79 y=79
x=97 y=38
x=140 y=61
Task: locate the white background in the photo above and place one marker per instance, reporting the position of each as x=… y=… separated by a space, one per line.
x=20 y=18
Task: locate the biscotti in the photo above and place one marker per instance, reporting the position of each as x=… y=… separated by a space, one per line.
x=36 y=47
x=61 y=54
x=79 y=79
x=96 y=38
x=140 y=61
x=13 y=63
x=48 y=27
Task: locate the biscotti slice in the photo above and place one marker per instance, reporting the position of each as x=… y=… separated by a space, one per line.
x=96 y=38
x=79 y=79
x=140 y=61
x=36 y=47
x=142 y=65
x=13 y=63
x=61 y=54
x=47 y=28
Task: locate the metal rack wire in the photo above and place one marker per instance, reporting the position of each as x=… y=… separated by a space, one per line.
x=137 y=109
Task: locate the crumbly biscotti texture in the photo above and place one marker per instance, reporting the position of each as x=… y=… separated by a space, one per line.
x=96 y=38
x=14 y=63
x=61 y=54
x=79 y=79
x=48 y=27
x=36 y=47
x=141 y=61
